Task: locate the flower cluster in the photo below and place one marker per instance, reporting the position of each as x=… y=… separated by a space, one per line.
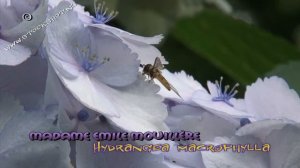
x=80 y=74
x=268 y=114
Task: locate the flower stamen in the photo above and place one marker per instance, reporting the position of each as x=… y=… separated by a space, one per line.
x=90 y=62
x=102 y=15
x=224 y=95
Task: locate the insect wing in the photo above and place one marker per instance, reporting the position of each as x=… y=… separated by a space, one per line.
x=157 y=64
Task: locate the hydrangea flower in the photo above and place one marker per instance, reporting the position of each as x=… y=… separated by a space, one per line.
x=232 y=159
x=19 y=150
x=262 y=128
x=277 y=117
x=94 y=84
x=285 y=144
x=191 y=118
x=101 y=72
x=142 y=46
x=283 y=138
x=195 y=119
x=270 y=113
x=220 y=100
x=85 y=156
x=271 y=98
x=185 y=114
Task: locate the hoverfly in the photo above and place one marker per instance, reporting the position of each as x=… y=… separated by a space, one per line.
x=154 y=71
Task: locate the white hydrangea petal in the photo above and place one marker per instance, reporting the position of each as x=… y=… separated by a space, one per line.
x=183 y=83
x=126 y=35
x=26 y=6
x=219 y=108
x=122 y=67
x=4 y=3
x=21 y=124
x=147 y=53
x=8 y=107
x=34 y=40
x=38 y=154
x=85 y=156
x=138 y=44
x=212 y=88
x=59 y=41
x=285 y=147
x=65 y=124
x=83 y=15
x=249 y=159
x=19 y=150
x=51 y=112
x=66 y=69
x=91 y=93
x=8 y=17
x=178 y=112
x=139 y=103
x=272 y=98
x=239 y=104
x=57 y=95
x=54 y=3
x=202 y=95
x=261 y=129
x=184 y=159
x=209 y=125
x=13 y=56
x=26 y=78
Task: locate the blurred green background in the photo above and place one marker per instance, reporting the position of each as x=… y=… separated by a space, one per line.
x=240 y=40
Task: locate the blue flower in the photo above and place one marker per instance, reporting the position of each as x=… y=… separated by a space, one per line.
x=96 y=69
x=224 y=95
x=89 y=61
x=102 y=15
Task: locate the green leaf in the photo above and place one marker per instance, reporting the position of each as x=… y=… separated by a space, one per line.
x=242 y=51
x=143 y=22
x=155 y=16
x=290 y=72
x=147 y=17
x=181 y=58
